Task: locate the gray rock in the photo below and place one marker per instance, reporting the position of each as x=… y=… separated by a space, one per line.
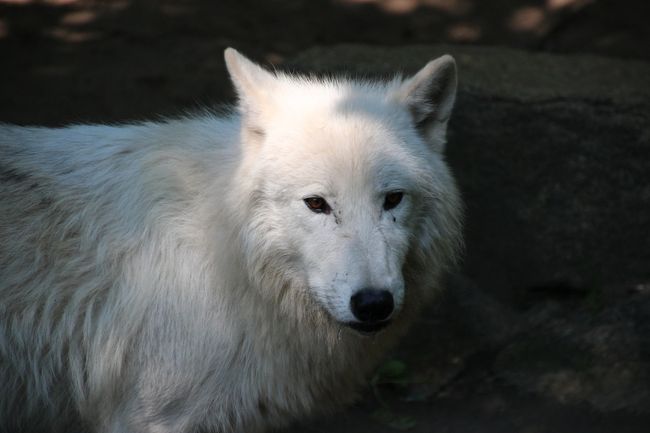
x=598 y=358
x=498 y=72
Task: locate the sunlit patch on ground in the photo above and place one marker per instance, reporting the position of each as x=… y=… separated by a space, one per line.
x=563 y=4
x=78 y=18
x=453 y=7
x=527 y=19
x=72 y=36
x=4 y=29
x=464 y=32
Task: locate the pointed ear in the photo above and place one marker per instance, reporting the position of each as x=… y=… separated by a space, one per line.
x=252 y=84
x=429 y=96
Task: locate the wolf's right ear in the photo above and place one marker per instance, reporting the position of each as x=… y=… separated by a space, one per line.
x=252 y=83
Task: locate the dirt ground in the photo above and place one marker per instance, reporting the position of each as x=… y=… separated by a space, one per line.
x=65 y=61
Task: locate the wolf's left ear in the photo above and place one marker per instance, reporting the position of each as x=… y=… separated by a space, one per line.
x=429 y=96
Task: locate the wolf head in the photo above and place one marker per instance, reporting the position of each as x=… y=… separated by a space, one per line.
x=349 y=201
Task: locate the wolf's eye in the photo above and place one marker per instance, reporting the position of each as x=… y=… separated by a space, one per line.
x=318 y=205
x=392 y=199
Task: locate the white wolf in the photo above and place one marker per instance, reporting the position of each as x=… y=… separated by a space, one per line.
x=221 y=272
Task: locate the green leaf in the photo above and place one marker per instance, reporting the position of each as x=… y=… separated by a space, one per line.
x=392 y=369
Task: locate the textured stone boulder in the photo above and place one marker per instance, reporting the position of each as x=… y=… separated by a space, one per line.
x=597 y=357
x=552 y=154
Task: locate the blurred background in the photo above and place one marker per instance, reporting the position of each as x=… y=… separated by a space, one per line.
x=546 y=325
x=69 y=60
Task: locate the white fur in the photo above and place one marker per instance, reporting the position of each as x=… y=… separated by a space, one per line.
x=168 y=276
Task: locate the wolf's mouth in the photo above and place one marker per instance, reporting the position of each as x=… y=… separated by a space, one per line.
x=368 y=328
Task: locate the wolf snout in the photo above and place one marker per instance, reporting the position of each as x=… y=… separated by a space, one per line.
x=372 y=308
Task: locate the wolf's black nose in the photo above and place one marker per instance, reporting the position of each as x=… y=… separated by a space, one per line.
x=372 y=305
